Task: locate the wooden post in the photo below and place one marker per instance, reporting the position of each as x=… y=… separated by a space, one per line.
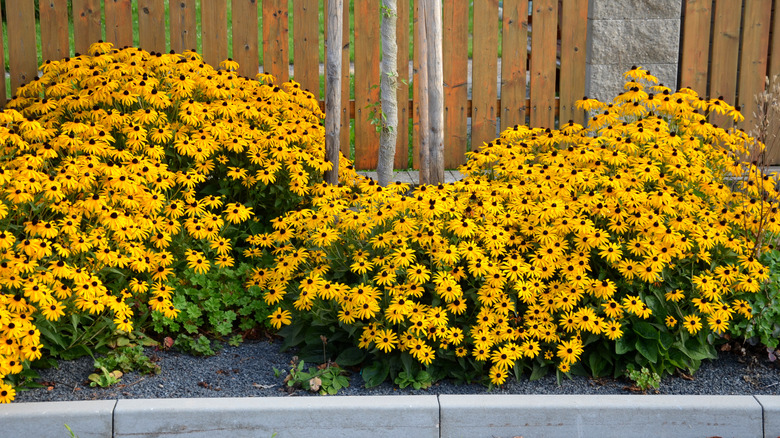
x=388 y=86
x=433 y=27
x=333 y=88
x=422 y=97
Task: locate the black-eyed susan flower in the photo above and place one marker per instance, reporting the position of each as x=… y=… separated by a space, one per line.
x=280 y=317
x=692 y=323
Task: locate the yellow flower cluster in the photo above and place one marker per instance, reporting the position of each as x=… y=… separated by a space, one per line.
x=542 y=243
x=102 y=158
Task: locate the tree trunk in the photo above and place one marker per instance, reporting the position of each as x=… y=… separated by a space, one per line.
x=333 y=84
x=389 y=87
x=422 y=105
x=433 y=26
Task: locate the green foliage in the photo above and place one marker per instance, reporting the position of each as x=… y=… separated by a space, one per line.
x=126 y=359
x=104 y=378
x=326 y=379
x=70 y=431
x=644 y=379
x=764 y=326
x=215 y=304
x=199 y=345
x=126 y=354
x=76 y=336
x=421 y=380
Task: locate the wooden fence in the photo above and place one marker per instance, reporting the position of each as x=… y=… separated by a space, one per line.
x=728 y=49
x=541 y=73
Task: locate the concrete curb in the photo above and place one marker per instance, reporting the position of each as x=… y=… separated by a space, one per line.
x=602 y=416
x=87 y=419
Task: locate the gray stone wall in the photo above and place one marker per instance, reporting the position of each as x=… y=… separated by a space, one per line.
x=624 y=33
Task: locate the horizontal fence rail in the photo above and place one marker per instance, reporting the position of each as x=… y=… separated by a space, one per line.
x=527 y=63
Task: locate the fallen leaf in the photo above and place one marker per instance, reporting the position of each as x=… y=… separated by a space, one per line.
x=259 y=386
x=315 y=383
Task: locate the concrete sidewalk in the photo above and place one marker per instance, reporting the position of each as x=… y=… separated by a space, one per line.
x=402 y=417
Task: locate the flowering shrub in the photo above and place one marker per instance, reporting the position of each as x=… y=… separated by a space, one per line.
x=628 y=241
x=121 y=170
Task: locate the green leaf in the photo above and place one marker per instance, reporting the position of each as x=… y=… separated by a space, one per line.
x=666 y=340
x=350 y=357
x=538 y=372
x=375 y=374
x=342 y=381
x=75 y=352
x=52 y=335
x=596 y=364
x=699 y=351
x=622 y=346
x=648 y=349
x=645 y=330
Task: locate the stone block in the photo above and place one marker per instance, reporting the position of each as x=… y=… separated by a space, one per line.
x=634 y=9
x=634 y=41
x=87 y=419
x=605 y=81
x=771 y=406
x=604 y=416
x=343 y=417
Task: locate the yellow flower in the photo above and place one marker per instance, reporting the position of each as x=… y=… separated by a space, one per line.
x=674 y=296
x=237 y=213
x=197 y=262
x=569 y=351
x=613 y=330
x=386 y=340
x=280 y=317
x=718 y=322
x=692 y=323
x=498 y=375
x=7 y=393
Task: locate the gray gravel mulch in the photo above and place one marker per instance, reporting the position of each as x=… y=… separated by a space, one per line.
x=248 y=371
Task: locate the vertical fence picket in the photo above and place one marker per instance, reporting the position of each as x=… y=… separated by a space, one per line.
x=306 y=46
x=543 y=60
x=275 y=43
x=774 y=56
x=119 y=22
x=416 y=87
x=3 y=96
x=755 y=50
x=514 y=58
x=86 y=24
x=183 y=25
x=245 y=37
x=696 y=45
x=54 y=29
x=151 y=25
x=22 y=56
x=213 y=23
x=367 y=43
x=484 y=68
x=455 y=23
x=346 y=75
x=402 y=144
x=725 y=54
x=574 y=29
